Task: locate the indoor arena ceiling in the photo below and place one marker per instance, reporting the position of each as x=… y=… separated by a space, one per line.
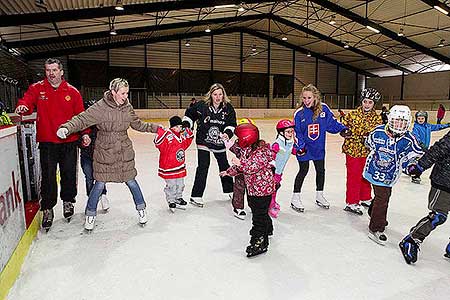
x=372 y=37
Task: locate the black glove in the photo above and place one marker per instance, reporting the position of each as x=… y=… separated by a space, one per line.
x=415 y=169
x=300 y=152
x=346 y=133
x=185 y=124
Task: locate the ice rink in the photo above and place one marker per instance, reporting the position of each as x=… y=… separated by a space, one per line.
x=200 y=253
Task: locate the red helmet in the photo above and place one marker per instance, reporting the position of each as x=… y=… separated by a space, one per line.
x=284 y=124
x=248 y=134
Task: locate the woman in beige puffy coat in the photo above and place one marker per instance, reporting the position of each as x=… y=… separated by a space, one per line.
x=113 y=151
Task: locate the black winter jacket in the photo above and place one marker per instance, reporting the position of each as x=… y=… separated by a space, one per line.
x=439 y=155
x=210 y=124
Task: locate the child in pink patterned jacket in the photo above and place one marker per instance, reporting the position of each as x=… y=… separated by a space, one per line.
x=255 y=165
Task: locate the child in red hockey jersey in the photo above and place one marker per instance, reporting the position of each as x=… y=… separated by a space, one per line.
x=172 y=144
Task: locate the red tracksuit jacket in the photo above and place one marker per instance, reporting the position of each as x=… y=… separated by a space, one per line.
x=172 y=148
x=54 y=107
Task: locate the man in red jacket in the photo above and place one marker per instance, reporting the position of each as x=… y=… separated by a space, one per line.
x=56 y=102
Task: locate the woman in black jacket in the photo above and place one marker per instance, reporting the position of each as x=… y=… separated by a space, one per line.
x=216 y=120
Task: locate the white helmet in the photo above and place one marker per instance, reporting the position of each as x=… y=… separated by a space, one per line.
x=399 y=119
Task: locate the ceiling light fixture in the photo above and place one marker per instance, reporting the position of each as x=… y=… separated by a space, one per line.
x=284 y=38
x=372 y=29
x=384 y=54
x=346 y=45
x=442 y=10
x=119 y=5
x=225 y=6
x=254 y=48
x=441 y=43
x=208 y=30
x=241 y=7
x=308 y=54
x=401 y=33
x=113 y=31
x=333 y=20
x=187 y=44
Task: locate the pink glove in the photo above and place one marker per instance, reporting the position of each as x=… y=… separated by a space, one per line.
x=277 y=178
x=275 y=147
x=228 y=143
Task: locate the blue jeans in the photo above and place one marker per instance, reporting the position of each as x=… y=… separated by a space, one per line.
x=91 y=207
x=88 y=170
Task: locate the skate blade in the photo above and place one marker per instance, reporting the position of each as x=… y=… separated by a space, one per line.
x=374 y=238
x=181 y=207
x=88 y=231
x=239 y=217
x=405 y=256
x=196 y=204
x=142 y=224
x=172 y=210
x=250 y=255
x=68 y=219
x=359 y=213
x=447 y=255
x=323 y=206
x=300 y=210
x=46 y=229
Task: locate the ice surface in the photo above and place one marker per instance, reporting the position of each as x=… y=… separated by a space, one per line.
x=200 y=253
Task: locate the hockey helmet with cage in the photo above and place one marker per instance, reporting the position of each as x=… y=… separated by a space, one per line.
x=371 y=94
x=399 y=119
x=422 y=113
x=247 y=134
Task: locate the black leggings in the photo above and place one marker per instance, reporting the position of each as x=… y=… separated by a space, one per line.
x=203 y=159
x=319 y=165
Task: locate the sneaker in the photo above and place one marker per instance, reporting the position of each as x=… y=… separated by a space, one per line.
x=172 y=206
x=365 y=203
x=321 y=201
x=142 y=217
x=239 y=213
x=67 y=210
x=181 y=204
x=410 y=249
x=89 y=223
x=104 y=202
x=296 y=203
x=197 y=201
x=378 y=237
x=354 y=208
x=47 y=219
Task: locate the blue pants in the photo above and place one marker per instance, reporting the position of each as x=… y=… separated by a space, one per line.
x=91 y=207
x=88 y=170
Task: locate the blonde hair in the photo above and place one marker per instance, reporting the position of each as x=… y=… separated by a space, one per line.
x=118 y=83
x=212 y=89
x=317 y=104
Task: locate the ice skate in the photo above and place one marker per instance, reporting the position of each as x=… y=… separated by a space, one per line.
x=89 y=223
x=104 y=201
x=239 y=213
x=196 y=201
x=142 y=217
x=354 y=208
x=378 y=237
x=415 y=180
x=68 y=210
x=230 y=196
x=296 y=203
x=447 y=251
x=47 y=219
x=257 y=246
x=365 y=203
x=321 y=201
x=410 y=249
x=172 y=207
x=180 y=203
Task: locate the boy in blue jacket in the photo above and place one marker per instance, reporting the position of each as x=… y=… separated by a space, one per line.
x=422 y=131
x=391 y=146
x=312 y=121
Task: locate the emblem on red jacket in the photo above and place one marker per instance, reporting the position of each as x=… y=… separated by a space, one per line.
x=313 y=131
x=68 y=98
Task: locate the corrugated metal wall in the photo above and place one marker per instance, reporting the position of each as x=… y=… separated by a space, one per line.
x=96 y=55
x=198 y=55
x=326 y=77
x=163 y=55
x=280 y=60
x=255 y=61
x=227 y=52
x=128 y=57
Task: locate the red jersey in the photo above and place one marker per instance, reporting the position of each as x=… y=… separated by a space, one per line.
x=54 y=107
x=172 y=148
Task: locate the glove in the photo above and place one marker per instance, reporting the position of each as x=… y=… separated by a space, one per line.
x=185 y=124
x=415 y=169
x=300 y=152
x=346 y=133
x=62 y=133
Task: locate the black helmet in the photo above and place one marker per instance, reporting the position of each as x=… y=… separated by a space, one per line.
x=370 y=93
x=422 y=113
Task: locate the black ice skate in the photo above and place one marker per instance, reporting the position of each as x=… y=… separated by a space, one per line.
x=365 y=203
x=415 y=180
x=239 y=213
x=47 y=219
x=354 y=208
x=257 y=246
x=172 y=207
x=196 y=201
x=68 y=210
x=378 y=237
x=447 y=251
x=181 y=204
x=410 y=249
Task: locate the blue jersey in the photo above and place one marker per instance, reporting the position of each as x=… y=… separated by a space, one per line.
x=310 y=134
x=422 y=132
x=388 y=155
